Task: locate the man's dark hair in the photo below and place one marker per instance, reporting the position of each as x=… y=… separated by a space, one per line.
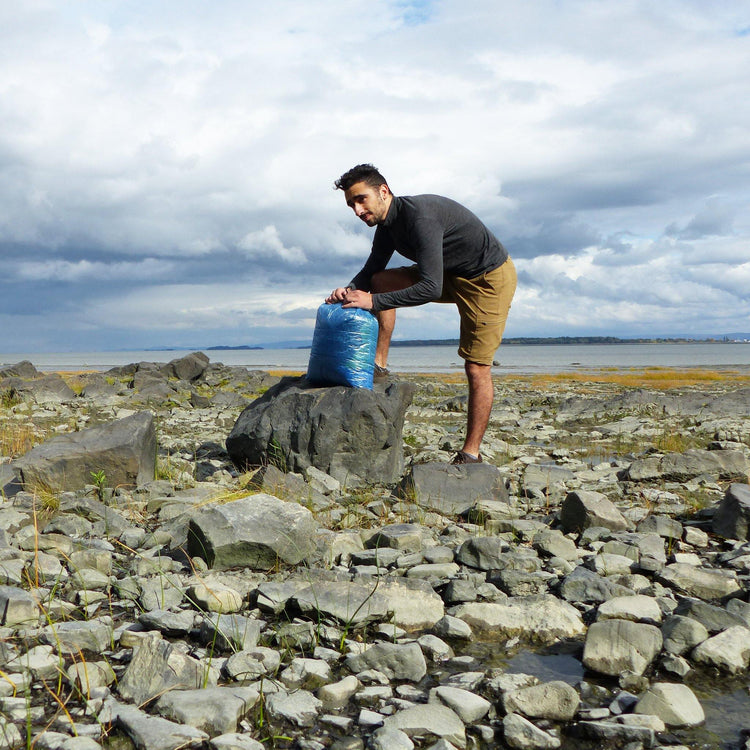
x=361 y=173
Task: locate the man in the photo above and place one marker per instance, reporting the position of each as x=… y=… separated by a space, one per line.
x=457 y=259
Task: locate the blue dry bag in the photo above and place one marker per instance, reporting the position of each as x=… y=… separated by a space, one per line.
x=343 y=347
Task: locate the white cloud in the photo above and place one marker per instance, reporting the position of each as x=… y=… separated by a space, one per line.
x=164 y=143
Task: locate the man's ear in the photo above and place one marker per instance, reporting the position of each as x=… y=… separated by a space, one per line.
x=384 y=191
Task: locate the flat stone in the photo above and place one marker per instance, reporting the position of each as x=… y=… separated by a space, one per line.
x=215 y=597
x=347 y=602
x=396 y=661
x=230 y=632
x=17 y=606
x=538 y=619
x=337 y=694
x=300 y=707
x=584 y=508
x=638 y=608
x=168 y=623
x=214 y=711
x=73 y=636
x=469 y=706
x=414 y=603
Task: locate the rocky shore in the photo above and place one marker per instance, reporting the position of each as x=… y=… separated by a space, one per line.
x=160 y=589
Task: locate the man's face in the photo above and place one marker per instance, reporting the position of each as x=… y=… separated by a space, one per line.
x=369 y=203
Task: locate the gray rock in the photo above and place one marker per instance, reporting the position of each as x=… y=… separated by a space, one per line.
x=521 y=734
x=452 y=627
x=157 y=667
x=414 y=603
x=469 y=706
x=537 y=619
x=584 y=508
x=390 y=738
x=347 y=602
x=676 y=705
x=431 y=720
x=73 y=636
x=453 y=490
x=732 y=514
x=353 y=434
x=396 y=661
x=150 y=732
x=254 y=531
x=704 y=583
x=337 y=694
x=309 y=674
x=235 y=741
x=616 y=646
x=17 y=606
x=680 y=467
x=584 y=585
x=484 y=552
x=215 y=710
x=664 y=526
x=680 y=634
x=638 y=608
x=168 y=623
x=550 y=700
x=554 y=543
x=614 y=734
x=300 y=707
x=230 y=632
x=125 y=451
x=190 y=367
x=407 y=537
x=729 y=650
x=712 y=617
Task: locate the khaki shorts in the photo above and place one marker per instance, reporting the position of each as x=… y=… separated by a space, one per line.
x=483 y=304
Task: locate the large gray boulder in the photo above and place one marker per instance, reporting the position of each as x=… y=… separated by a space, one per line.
x=124 y=451
x=453 y=490
x=255 y=531
x=732 y=515
x=189 y=367
x=353 y=434
x=616 y=646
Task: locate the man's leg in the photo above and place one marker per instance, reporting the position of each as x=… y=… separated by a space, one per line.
x=390 y=280
x=481 y=395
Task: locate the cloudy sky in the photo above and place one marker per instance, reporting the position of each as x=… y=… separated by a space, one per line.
x=166 y=168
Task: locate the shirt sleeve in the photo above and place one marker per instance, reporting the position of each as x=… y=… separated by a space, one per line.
x=380 y=254
x=427 y=238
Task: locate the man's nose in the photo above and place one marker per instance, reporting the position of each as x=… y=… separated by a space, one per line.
x=359 y=209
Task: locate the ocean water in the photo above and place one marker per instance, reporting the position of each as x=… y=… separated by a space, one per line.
x=511 y=358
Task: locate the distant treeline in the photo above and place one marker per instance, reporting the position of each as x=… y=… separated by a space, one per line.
x=532 y=340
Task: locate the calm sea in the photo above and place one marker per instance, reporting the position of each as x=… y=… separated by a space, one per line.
x=512 y=358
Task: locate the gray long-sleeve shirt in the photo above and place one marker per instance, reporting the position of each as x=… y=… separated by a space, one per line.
x=440 y=236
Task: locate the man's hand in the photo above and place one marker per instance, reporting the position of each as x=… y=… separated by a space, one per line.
x=337 y=295
x=358 y=298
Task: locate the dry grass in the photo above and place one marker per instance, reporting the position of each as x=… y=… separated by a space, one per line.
x=662 y=378
x=16 y=439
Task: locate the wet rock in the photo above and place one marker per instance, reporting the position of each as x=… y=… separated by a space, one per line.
x=253 y=532
x=616 y=646
x=676 y=705
x=124 y=451
x=732 y=514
